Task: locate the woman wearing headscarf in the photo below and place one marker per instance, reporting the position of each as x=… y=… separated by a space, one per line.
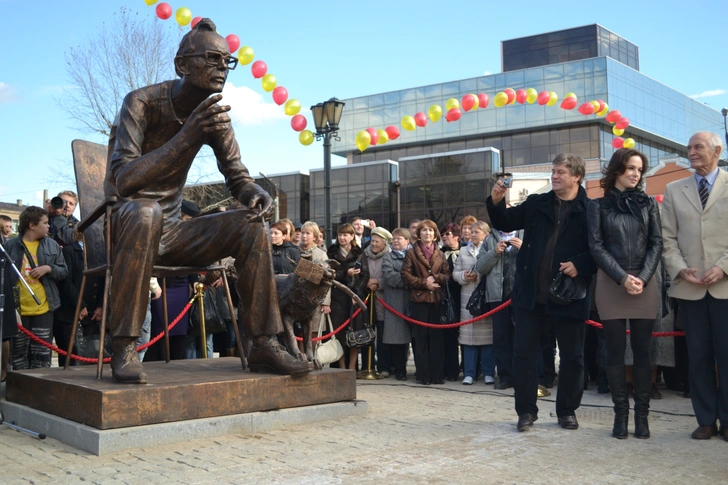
x=396 y=332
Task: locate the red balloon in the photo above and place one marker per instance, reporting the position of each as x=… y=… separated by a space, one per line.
x=622 y=124
x=420 y=119
x=659 y=198
x=259 y=68
x=164 y=11
x=601 y=106
x=511 y=94
x=468 y=102
x=586 y=109
x=568 y=103
x=280 y=95
x=374 y=134
x=393 y=132
x=618 y=142
x=613 y=116
x=298 y=123
x=543 y=97
x=194 y=22
x=483 y=99
x=233 y=42
x=521 y=96
x=453 y=115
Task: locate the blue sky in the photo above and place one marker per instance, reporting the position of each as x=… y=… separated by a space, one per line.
x=324 y=49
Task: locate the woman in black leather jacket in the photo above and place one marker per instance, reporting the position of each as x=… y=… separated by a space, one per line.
x=626 y=243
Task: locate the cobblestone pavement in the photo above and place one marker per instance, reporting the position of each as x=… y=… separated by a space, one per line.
x=412 y=434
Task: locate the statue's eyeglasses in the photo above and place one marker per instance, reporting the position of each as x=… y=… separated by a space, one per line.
x=213 y=58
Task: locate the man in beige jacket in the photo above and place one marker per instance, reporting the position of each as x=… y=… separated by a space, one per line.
x=695 y=238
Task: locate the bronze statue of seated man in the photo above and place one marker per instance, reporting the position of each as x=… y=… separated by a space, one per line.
x=156 y=135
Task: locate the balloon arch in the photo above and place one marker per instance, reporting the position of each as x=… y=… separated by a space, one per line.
x=375 y=136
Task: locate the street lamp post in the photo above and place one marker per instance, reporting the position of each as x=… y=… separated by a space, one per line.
x=326 y=117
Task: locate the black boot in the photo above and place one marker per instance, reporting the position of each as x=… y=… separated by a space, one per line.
x=642 y=387
x=618 y=386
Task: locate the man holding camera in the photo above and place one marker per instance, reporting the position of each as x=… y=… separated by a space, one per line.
x=60 y=214
x=359 y=224
x=554 y=242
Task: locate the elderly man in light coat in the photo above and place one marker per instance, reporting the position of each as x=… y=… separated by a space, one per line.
x=695 y=251
x=476 y=338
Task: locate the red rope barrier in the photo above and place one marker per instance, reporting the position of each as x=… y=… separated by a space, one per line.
x=449 y=325
x=496 y=310
x=654 y=334
x=337 y=329
x=89 y=360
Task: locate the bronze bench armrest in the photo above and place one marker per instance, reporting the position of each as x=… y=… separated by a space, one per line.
x=93 y=216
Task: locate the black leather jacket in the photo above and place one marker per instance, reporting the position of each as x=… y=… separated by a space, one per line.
x=625 y=234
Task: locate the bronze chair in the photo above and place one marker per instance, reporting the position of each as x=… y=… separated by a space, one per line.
x=89 y=162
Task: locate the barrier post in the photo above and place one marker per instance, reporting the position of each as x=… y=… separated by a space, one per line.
x=369 y=374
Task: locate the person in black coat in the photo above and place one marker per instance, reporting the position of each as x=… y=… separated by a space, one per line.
x=90 y=316
x=625 y=239
x=285 y=253
x=450 y=234
x=346 y=253
x=554 y=241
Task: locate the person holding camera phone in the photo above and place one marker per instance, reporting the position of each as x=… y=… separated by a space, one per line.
x=554 y=246
x=60 y=216
x=359 y=225
x=497 y=263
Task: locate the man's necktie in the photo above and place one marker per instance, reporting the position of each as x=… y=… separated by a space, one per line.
x=703 y=191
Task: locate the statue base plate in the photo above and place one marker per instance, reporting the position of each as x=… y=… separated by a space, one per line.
x=177 y=391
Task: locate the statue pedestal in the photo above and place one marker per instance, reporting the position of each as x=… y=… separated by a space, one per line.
x=178 y=391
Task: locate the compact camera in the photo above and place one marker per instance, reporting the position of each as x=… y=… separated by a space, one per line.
x=506 y=181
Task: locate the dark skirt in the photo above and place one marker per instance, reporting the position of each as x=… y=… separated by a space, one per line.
x=178 y=295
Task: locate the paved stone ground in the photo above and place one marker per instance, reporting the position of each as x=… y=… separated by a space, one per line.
x=412 y=434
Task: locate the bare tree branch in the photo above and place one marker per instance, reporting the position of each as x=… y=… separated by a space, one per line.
x=129 y=52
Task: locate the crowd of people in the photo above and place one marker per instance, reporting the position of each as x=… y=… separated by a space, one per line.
x=559 y=258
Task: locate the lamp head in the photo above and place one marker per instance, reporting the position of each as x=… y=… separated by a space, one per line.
x=724 y=111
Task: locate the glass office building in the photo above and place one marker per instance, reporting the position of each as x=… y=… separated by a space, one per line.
x=589 y=61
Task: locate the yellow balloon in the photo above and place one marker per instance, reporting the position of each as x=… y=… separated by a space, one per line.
x=383 y=137
x=569 y=95
x=477 y=103
x=629 y=143
x=434 y=113
x=306 y=137
x=150 y=2
x=595 y=104
x=183 y=16
x=269 y=83
x=604 y=111
x=363 y=139
x=246 y=55
x=553 y=99
x=500 y=100
x=292 y=107
x=617 y=131
x=531 y=95
x=408 y=123
x=452 y=103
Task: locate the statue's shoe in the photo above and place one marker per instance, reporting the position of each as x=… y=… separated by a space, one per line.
x=125 y=365
x=268 y=355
